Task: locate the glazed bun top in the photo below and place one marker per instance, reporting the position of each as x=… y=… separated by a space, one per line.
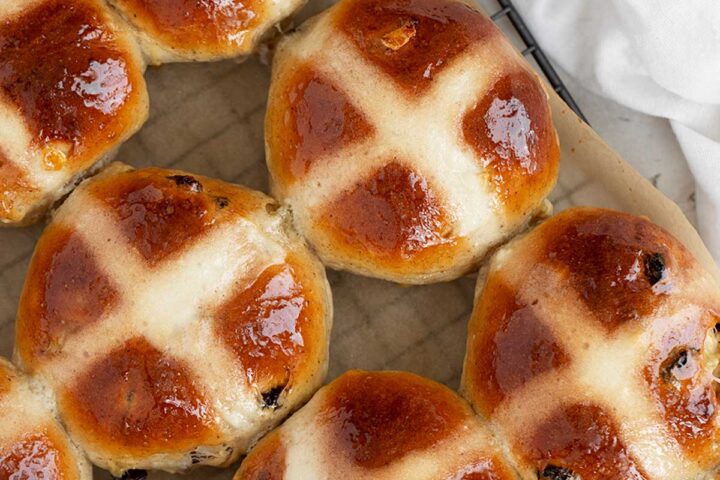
x=33 y=445
x=182 y=30
x=379 y=425
x=592 y=350
x=176 y=318
x=407 y=136
x=71 y=90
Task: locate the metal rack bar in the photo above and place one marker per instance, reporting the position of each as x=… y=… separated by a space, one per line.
x=532 y=48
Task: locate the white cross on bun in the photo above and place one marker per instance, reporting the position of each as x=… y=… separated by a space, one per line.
x=379 y=426
x=408 y=137
x=176 y=318
x=71 y=91
x=72 y=87
x=33 y=444
x=592 y=350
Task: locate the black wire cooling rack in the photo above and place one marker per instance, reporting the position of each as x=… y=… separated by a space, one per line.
x=507 y=9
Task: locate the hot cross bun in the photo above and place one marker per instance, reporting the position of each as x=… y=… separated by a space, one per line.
x=407 y=136
x=71 y=90
x=592 y=351
x=72 y=87
x=33 y=444
x=175 y=317
x=379 y=425
x=183 y=30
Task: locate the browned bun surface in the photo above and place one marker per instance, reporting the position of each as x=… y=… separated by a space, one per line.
x=592 y=350
x=176 y=318
x=408 y=137
x=379 y=425
x=71 y=91
x=33 y=444
x=72 y=87
x=183 y=30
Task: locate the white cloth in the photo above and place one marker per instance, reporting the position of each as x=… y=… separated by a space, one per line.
x=661 y=57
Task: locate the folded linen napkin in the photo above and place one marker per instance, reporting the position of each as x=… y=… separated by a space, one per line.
x=661 y=57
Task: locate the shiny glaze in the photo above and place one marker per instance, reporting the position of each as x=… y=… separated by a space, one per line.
x=393 y=213
x=511 y=131
x=682 y=388
x=605 y=258
x=376 y=418
x=191 y=24
x=513 y=346
x=7 y=377
x=485 y=469
x=66 y=73
x=33 y=457
x=138 y=401
x=64 y=292
x=159 y=214
x=412 y=41
x=265 y=325
x=266 y=461
x=314 y=120
x=14 y=188
x=584 y=439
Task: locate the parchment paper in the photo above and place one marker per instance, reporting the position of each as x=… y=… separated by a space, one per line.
x=207 y=118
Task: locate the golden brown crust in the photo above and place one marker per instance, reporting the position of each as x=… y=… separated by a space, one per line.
x=512 y=133
x=138 y=401
x=65 y=291
x=170 y=186
x=621 y=266
x=379 y=418
x=36 y=456
x=15 y=189
x=315 y=119
x=590 y=298
x=584 y=440
x=32 y=442
x=432 y=34
x=8 y=376
x=72 y=81
x=493 y=468
x=214 y=26
x=678 y=378
x=513 y=347
x=267 y=325
x=420 y=97
x=191 y=30
x=379 y=425
x=160 y=214
x=175 y=317
x=75 y=80
x=394 y=217
x=267 y=461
